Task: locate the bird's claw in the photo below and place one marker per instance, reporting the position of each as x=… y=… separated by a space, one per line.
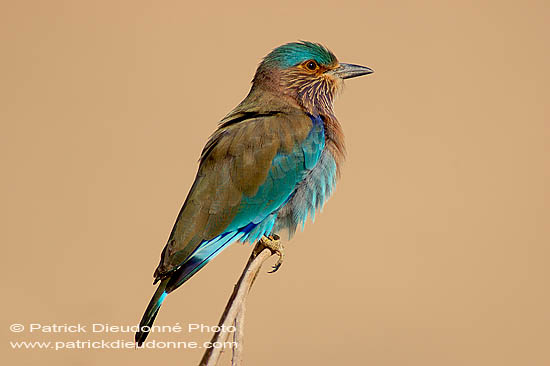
x=276 y=266
x=274 y=244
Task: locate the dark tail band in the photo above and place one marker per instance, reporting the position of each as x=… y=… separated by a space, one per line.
x=151 y=313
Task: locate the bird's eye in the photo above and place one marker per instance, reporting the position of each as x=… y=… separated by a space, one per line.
x=311 y=65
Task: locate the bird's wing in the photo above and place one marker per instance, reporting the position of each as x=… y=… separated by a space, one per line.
x=248 y=169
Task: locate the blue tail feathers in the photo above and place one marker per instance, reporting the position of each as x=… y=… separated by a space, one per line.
x=151 y=313
x=198 y=259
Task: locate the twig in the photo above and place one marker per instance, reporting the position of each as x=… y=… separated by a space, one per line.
x=235 y=306
x=238 y=337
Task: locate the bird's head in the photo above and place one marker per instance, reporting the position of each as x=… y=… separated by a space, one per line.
x=307 y=72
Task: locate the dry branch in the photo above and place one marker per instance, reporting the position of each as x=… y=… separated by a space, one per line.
x=235 y=309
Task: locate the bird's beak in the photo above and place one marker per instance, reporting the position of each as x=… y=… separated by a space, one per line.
x=347 y=71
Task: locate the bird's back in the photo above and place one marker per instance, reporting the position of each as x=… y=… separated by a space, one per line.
x=248 y=170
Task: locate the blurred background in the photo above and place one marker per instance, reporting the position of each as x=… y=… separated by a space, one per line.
x=433 y=250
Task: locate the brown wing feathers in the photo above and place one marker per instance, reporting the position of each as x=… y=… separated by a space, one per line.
x=235 y=161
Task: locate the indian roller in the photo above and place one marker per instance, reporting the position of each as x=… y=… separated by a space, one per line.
x=272 y=162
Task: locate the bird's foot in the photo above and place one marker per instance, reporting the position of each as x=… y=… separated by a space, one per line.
x=274 y=244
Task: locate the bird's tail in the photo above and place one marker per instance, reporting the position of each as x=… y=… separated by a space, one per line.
x=151 y=312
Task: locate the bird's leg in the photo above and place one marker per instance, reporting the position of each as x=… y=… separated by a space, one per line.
x=273 y=243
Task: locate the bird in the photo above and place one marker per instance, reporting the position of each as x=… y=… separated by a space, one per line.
x=272 y=162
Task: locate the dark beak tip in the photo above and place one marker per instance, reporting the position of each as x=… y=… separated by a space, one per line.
x=366 y=70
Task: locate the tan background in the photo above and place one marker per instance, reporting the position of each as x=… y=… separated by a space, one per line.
x=433 y=251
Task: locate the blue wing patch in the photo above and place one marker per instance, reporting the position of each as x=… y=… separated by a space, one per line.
x=257 y=214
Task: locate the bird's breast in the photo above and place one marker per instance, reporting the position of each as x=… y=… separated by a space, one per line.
x=315 y=187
